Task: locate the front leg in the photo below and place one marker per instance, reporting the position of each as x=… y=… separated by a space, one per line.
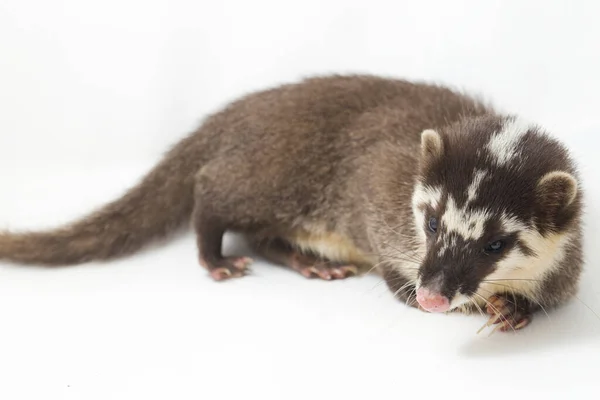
x=508 y=313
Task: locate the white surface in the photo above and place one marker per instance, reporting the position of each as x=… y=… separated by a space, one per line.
x=91 y=93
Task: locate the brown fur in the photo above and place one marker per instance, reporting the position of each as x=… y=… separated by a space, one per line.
x=268 y=163
x=327 y=164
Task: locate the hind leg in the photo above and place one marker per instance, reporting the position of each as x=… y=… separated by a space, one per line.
x=209 y=239
x=211 y=218
x=281 y=252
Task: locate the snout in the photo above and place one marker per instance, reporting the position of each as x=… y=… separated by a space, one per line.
x=432 y=301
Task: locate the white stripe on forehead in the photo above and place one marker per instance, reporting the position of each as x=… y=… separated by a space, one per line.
x=448 y=244
x=503 y=145
x=477 y=179
x=468 y=224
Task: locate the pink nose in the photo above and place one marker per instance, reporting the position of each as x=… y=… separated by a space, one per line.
x=431 y=301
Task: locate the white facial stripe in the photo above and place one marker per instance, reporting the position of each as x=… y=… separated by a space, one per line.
x=511 y=224
x=451 y=243
x=424 y=195
x=443 y=249
x=468 y=224
x=478 y=177
x=503 y=145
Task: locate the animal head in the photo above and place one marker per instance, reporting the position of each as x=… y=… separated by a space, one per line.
x=493 y=206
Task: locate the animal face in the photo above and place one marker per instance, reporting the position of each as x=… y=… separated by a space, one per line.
x=492 y=207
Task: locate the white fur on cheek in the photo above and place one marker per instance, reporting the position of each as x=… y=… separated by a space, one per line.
x=504 y=144
x=522 y=273
x=458 y=300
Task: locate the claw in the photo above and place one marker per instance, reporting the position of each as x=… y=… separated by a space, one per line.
x=350 y=270
x=482 y=328
x=220 y=274
x=523 y=323
x=243 y=262
x=496 y=318
x=506 y=315
x=231 y=267
x=321 y=272
x=490 y=322
x=495 y=329
x=344 y=271
x=496 y=301
x=306 y=272
x=324 y=270
x=338 y=273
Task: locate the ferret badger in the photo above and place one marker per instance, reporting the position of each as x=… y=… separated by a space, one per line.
x=457 y=206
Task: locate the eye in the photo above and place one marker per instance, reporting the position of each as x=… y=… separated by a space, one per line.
x=495 y=247
x=433 y=224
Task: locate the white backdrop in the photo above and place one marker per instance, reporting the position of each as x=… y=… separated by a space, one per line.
x=92 y=93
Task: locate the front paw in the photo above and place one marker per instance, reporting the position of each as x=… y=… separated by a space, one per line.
x=507 y=313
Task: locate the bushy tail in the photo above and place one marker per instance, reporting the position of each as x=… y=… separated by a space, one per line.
x=155 y=207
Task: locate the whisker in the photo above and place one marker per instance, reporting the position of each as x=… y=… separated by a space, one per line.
x=400 y=255
x=588 y=307
x=375 y=266
x=389 y=254
x=395 y=231
x=411 y=239
x=498 y=313
x=519 y=279
x=514 y=302
x=402 y=288
x=410 y=300
x=407 y=256
x=498 y=284
x=543 y=309
x=403 y=260
x=477 y=305
x=514 y=299
x=396 y=279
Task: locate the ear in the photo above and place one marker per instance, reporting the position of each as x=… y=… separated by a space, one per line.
x=432 y=145
x=557 y=190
